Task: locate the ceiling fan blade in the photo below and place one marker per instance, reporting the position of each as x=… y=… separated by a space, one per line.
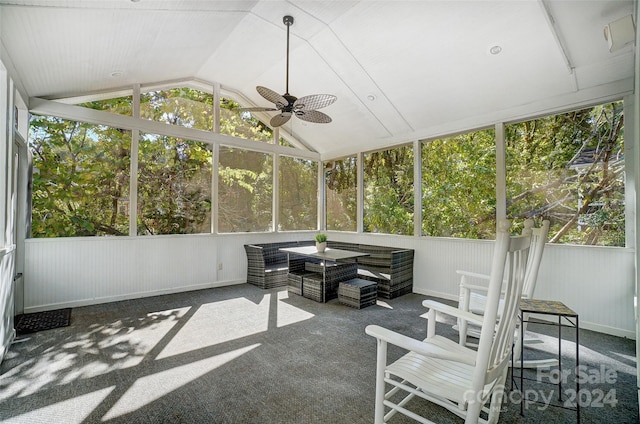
x=272 y=96
x=314 y=101
x=257 y=109
x=281 y=119
x=313 y=116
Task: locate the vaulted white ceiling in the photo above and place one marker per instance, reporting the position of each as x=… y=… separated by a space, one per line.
x=402 y=70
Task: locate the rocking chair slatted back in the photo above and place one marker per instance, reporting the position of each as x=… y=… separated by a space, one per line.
x=513 y=283
x=446 y=373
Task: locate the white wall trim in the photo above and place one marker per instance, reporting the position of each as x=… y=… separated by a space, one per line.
x=109 y=299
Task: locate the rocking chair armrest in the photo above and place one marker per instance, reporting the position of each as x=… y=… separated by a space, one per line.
x=420 y=347
x=453 y=311
x=473 y=275
x=474 y=287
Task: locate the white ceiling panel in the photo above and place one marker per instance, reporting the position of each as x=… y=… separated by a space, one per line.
x=401 y=69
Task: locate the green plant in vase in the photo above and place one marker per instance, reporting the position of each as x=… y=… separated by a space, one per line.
x=321 y=242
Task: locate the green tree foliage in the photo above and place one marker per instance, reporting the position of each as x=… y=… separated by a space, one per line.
x=174 y=186
x=245 y=190
x=81 y=178
x=458 y=186
x=388 y=191
x=298 y=194
x=242 y=124
x=179 y=106
x=119 y=105
x=569 y=168
x=341 y=187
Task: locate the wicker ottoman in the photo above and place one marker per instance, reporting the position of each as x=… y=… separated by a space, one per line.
x=294 y=281
x=358 y=293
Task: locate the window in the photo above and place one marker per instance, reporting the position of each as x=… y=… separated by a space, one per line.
x=81 y=178
x=185 y=107
x=119 y=105
x=569 y=168
x=174 y=186
x=241 y=124
x=298 y=191
x=388 y=191
x=458 y=186
x=245 y=190
x=341 y=192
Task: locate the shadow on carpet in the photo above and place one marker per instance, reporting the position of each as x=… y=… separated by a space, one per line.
x=39 y=321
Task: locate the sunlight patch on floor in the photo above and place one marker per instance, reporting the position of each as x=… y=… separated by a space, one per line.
x=232 y=319
x=219 y=322
x=289 y=314
x=383 y=304
x=153 y=387
x=125 y=344
x=70 y=411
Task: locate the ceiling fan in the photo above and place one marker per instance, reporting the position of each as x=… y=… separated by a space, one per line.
x=304 y=108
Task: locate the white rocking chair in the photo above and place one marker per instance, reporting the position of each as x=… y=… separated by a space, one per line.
x=444 y=372
x=473 y=297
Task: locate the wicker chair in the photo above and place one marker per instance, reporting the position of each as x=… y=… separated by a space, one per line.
x=266 y=267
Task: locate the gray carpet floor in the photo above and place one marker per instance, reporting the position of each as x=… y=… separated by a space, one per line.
x=244 y=355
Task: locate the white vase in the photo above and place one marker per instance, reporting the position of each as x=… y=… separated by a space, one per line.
x=321 y=246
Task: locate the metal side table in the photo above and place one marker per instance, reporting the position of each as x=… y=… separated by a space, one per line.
x=561 y=311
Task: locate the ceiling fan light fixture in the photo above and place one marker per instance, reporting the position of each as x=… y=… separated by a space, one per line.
x=304 y=108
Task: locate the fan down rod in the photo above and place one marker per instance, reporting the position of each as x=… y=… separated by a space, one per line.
x=288 y=21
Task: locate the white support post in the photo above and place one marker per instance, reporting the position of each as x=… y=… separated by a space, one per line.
x=215 y=159
x=216 y=108
x=634 y=135
x=275 y=218
x=215 y=162
x=501 y=174
x=360 y=192
x=417 y=188
x=133 y=166
x=322 y=197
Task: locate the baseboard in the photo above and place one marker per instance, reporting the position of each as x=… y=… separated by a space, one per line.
x=128 y=296
x=432 y=293
x=592 y=326
x=584 y=325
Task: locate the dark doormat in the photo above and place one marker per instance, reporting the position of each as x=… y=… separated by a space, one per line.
x=38 y=321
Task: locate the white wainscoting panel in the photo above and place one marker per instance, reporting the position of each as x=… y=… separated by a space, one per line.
x=596 y=282
x=78 y=271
